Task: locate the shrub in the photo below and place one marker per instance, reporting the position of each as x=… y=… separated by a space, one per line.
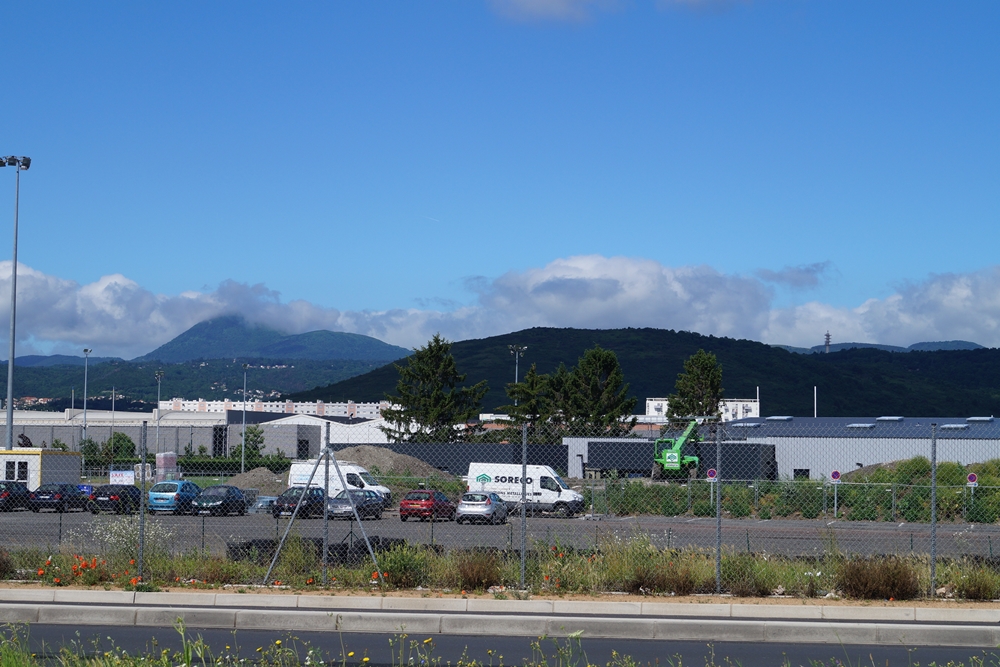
x=405 y=566
x=879 y=578
x=7 y=567
x=746 y=575
x=980 y=583
x=477 y=569
x=703 y=508
x=738 y=501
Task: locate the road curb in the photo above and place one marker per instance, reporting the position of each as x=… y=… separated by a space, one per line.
x=558 y=607
x=626 y=619
x=431 y=623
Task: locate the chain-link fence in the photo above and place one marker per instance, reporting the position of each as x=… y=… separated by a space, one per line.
x=750 y=507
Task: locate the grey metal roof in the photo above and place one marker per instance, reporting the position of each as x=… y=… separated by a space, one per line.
x=865 y=427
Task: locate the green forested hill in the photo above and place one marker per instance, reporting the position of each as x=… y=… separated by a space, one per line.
x=857 y=382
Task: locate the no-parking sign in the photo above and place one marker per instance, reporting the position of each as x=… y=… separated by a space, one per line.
x=835 y=476
x=711 y=474
x=973 y=480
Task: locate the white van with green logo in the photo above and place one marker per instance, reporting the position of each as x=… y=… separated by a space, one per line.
x=546 y=491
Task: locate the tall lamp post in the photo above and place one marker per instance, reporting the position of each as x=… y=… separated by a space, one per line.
x=20 y=164
x=86 y=363
x=243 y=446
x=518 y=352
x=159 y=377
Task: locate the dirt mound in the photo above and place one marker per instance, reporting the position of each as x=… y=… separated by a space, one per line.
x=388 y=462
x=266 y=482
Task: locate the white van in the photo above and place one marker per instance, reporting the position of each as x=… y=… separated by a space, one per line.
x=355 y=476
x=546 y=491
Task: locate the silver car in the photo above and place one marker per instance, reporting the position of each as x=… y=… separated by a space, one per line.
x=481 y=507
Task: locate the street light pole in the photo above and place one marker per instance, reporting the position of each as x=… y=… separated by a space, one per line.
x=243 y=447
x=86 y=363
x=159 y=376
x=517 y=351
x=20 y=164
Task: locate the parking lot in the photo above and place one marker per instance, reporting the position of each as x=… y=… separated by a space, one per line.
x=792 y=537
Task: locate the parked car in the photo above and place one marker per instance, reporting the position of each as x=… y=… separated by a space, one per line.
x=117 y=498
x=174 y=496
x=368 y=502
x=481 y=508
x=426 y=504
x=13 y=495
x=263 y=505
x=312 y=503
x=220 y=499
x=57 y=497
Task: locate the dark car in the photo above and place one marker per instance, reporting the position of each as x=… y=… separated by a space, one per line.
x=116 y=498
x=312 y=503
x=57 y=497
x=220 y=499
x=426 y=504
x=368 y=502
x=13 y=495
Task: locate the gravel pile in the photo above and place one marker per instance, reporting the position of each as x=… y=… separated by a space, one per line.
x=266 y=482
x=389 y=462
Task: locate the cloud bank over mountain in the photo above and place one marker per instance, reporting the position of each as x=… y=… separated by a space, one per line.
x=118 y=317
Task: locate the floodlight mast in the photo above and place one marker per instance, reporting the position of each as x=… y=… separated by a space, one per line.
x=517 y=351
x=20 y=164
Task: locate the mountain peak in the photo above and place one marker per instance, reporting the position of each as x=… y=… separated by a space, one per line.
x=231 y=336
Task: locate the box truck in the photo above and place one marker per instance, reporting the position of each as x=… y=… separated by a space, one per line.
x=546 y=491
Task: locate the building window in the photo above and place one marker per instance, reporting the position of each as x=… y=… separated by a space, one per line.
x=800 y=473
x=11 y=466
x=302 y=451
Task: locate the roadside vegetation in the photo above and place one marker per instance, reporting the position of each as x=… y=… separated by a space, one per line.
x=898 y=491
x=632 y=565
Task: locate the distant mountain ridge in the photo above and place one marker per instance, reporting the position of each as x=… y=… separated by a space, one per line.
x=916 y=347
x=232 y=337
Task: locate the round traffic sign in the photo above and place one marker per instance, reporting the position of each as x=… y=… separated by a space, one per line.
x=973 y=478
x=711 y=473
x=835 y=475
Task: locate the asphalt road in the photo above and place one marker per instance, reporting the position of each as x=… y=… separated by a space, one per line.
x=783 y=536
x=46 y=640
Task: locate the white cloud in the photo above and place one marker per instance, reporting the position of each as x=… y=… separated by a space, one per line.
x=551 y=10
x=117 y=317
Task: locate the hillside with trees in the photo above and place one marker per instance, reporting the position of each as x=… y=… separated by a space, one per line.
x=852 y=382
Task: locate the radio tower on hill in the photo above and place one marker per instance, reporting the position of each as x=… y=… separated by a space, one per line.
x=827 y=342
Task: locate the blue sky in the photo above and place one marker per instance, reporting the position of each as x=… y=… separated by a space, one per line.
x=767 y=170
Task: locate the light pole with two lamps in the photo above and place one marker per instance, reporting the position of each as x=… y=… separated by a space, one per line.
x=86 y=364
x=518 y=352
x=20 y=164
x=159 y=377
x=243 y=447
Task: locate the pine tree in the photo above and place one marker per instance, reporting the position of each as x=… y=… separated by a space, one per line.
x=599 y=397
x=698 y=390
x=429 y=403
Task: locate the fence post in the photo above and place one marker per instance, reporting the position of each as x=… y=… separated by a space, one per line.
x=142 y=485
x=326 y=499
x=933 y=509
x=718 y=509
x=524 y=500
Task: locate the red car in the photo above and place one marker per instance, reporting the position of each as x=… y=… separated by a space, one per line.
x=426 y=504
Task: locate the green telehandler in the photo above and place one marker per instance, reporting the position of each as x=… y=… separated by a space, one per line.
x=669 y=459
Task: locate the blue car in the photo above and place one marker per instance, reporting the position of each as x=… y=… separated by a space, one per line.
x=173 y=497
